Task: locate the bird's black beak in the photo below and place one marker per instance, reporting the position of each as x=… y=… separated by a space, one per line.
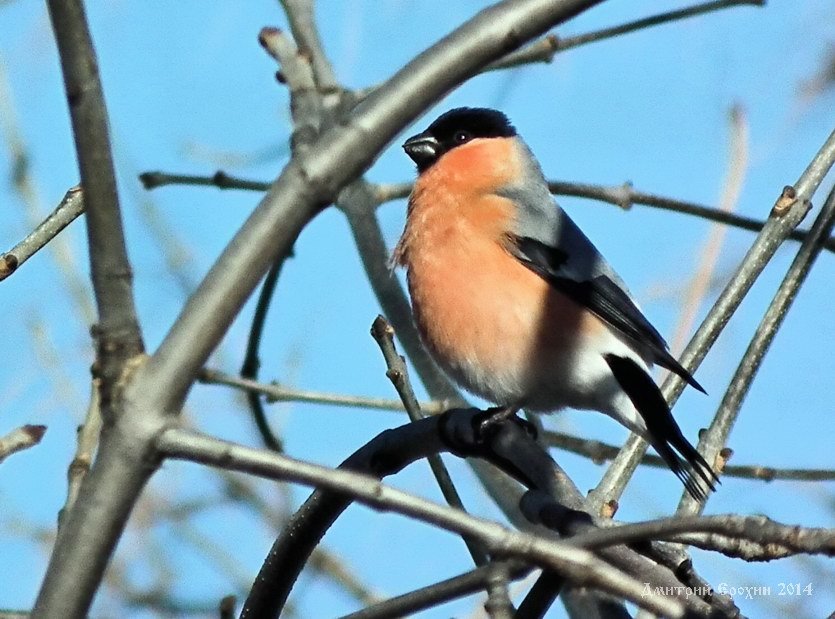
x=423 y=149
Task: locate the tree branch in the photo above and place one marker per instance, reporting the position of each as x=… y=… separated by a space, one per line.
x=753 y=538
x=600 y=452
x=279 y=393
x=397 y=373
x=714 y=439
x=118 y=337
x=546 y=48
x=626 y=196
x=302 y=24
x=579 y=566
x=435 y=594
x=86 y=441
x=70 y=207
x=22 y=438
x=788 y=211
x=220 y=179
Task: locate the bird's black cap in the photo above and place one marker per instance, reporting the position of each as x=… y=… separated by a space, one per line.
x=455 y=128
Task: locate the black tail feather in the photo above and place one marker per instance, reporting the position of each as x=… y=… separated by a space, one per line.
x=665 y=435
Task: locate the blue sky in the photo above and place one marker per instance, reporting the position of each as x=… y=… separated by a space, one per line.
x=189 y=90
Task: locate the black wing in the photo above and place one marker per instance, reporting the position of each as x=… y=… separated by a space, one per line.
x=601 y=295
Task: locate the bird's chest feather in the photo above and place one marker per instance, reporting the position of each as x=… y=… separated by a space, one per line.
x=497 y=327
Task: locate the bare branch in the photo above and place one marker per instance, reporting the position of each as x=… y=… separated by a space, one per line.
x=397 y=373
x=435 y=594
x=579 y=566
x=303 y=26
x=297 y=73
x=252 y=362
x=714 y=439
x=765 y=538
x=118 y=337
x=25 y=186
x=624 y=196
x=699 y=285
x=70 y=207
x=788 y=211
x=600 y=452
x=86 y=442
x=546 y=48
x=276 y=392
x=220 y=179
x=22 y=438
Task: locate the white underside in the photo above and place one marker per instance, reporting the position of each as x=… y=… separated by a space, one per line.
x=579 y=378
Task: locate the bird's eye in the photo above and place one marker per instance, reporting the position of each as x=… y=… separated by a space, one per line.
x=462 y=136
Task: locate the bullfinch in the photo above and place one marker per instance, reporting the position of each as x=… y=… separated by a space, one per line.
x=515 y=303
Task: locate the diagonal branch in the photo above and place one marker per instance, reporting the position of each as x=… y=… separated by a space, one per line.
x=546 y=48
x=397 y=373
x=720 y=428
x=22 y=438
x=438 y=593
x=70 y=207
x=118 y=336
x=787 y=212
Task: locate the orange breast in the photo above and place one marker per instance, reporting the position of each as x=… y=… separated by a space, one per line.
x=486 y=317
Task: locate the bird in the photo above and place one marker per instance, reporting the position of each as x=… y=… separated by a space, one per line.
x=515 y=303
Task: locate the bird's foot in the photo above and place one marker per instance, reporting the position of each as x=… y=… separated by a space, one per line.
x=487 y=421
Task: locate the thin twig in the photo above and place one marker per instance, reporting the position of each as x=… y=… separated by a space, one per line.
x=303 y=25
x=546 y=48
x=297 y=73
x=86 y=442
x=699 y=284
x=70 y=207
x=398 y=374
x=252 y=363
x=543 y=50
x=774 y=539
x=279 y=393
x=22 y=438
x=623 y=196
x=434 y=594
x=25 y=186
x=220 y=179
x=579 y=566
